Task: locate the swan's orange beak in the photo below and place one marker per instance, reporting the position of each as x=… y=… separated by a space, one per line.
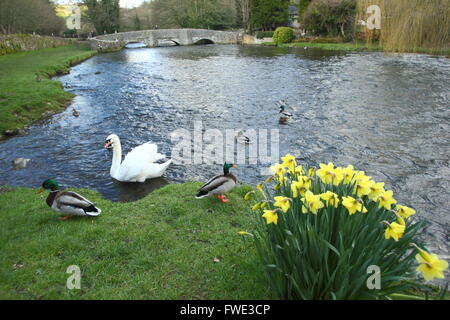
x=107 y=144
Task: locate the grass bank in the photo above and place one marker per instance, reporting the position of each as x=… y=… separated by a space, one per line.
x=351 y=46
x=346 y=46
x=165 y=246
x=23 y=99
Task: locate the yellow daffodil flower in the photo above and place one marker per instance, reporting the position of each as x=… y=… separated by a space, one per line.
x=298 y=170
x=302 y=185
x=269 y=179
x=338 y=176
x=330 y=198
x=311 y=203
x=386 y=200
x=263 y=204
x=353 y=205
x=360 y=176
x=376 y=189
x=244 y=233
x=430 y=265
x=394 y=230
x=347 y=174
x=311 y=172
x=362 y=187
x=277 y=187
x=271 y=216
x=404 y=211
x=278 y=169
x=307 y=181
x=326 y=172
x=289 y=162
x=281 y=179
x=282 y=202
x=260 y=187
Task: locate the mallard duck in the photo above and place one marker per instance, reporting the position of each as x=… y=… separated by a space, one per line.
x=68 y=202
x=241 y=138
x=284 y=116
x=219 y=185
x=139 y=164
x=75 y=112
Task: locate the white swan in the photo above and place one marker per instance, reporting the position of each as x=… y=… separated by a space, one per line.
x=138 y=165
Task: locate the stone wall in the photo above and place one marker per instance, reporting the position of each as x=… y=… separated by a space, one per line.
x=248 y=39
x=13 y=43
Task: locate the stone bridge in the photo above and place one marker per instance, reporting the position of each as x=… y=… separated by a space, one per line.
x=155 y=38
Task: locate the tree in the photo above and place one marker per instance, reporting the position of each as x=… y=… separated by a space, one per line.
x=244 y=9
x=269 y=14
x=28 y=16
x=137 y=22
x=103 y=14
x=206 y=14
x=330 y=17
x=302 y=6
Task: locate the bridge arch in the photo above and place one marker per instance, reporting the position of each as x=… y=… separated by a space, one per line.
x=176 y=42
x=203 y=41
x=135 y=44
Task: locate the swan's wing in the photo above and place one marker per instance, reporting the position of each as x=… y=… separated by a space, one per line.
x=137 y=161
x=147 y=152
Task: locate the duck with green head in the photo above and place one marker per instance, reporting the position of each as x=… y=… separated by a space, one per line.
x=68 y=202
x=284 y=116
x=219 y=185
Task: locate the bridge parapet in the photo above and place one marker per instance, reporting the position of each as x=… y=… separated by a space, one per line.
x=153 y=38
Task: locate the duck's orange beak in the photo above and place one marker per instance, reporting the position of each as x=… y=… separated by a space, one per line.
x=40 y=190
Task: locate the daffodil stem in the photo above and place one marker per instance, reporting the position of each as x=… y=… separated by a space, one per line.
x=406 y=296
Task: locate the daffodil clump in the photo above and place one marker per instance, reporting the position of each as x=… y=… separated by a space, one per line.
x=321 y=228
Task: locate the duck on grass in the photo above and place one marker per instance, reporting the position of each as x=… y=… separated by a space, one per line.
x=68 y=202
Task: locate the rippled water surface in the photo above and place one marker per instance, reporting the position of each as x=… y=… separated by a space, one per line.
x=386 y=114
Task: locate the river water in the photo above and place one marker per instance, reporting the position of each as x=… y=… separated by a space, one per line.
x=386 y=114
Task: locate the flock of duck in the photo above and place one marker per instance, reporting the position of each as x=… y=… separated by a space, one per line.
x=139 y=165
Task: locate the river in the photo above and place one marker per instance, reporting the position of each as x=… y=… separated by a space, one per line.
x=386 y=114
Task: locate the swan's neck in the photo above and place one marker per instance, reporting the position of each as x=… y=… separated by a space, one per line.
x=117 y=159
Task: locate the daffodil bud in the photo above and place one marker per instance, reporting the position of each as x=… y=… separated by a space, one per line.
x=249 y=195
x=260 y=187
x=256 y=206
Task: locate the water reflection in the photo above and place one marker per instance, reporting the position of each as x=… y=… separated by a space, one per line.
x=134 y=191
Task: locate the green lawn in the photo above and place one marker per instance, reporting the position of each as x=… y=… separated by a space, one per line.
x=347 y=46
x=352 y=46
x=160 y=247
x=22 y=98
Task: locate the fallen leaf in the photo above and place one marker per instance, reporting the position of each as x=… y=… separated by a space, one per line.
x=216 y=260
